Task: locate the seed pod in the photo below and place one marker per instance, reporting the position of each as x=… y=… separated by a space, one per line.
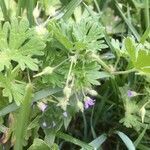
x=142 y=112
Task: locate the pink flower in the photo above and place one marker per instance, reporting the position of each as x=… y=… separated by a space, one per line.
x=131 y=93
x=42 y=106
x=88 y=102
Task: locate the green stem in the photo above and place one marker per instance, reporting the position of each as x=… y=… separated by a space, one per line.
x=85 y=126
x=108 y=69
x=69 y=73
x=61 y=63
x=117 y=61
x=23 y=118
x=91 y=124
x=104 y=65
x=97 y=6
x=124 y=72
x=109 y=42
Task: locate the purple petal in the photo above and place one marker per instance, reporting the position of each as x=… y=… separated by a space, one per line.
x=86 y=105
x=89 y=102
x=131 y=93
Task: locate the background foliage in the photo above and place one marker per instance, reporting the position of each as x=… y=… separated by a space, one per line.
x=74 y=74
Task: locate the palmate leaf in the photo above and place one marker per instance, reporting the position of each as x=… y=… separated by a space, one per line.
x=90 y=34
x=12 y=88
x=85 y=35
x=87 y=76
x=59 y=36
x=140 y=57
x=18 y=43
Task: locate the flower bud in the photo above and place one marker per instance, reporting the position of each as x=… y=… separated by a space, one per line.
x=132 y=93
x=67 y=92
x=36 y=12
x=73 y=59
x=41 y=30
x=46 y=71
x=95 y=56
x=63 y=103
x=80 y=105
x=92 y=92
x=42 y=106
x=51 y=11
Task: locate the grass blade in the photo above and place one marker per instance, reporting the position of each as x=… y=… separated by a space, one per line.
x=132 y=29
x=85 y=126
x=30 y=7
x=69 y=9
x=73 y=140
x=98 y=141
x=129 y=144
x=145 y=35
x=4 y=9
x=143 y=147
x=23 y=118
x=44 y=93
x=10 y=108
x=91 y=124
x=21 y=6
x=138 y=140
